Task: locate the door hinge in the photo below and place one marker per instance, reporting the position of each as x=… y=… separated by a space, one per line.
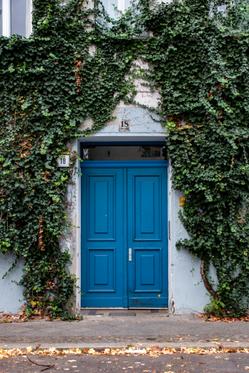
x=169 y=230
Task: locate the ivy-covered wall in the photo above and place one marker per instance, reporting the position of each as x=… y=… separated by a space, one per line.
x=78 y=65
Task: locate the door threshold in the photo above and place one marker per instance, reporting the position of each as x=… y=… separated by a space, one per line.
x=103 y=309
x=123 y=311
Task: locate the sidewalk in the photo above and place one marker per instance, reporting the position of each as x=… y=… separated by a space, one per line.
x=119 y=330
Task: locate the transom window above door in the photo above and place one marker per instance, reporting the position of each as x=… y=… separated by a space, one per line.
x=15 y=17
x=114 y=153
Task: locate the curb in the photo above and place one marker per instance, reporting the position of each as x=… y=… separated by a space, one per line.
x=236 y=346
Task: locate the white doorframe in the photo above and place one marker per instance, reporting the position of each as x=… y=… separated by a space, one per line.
x=75 y=217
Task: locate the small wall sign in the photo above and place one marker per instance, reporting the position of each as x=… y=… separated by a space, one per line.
x=64 y=160
x=124 y=126
x=182 y=201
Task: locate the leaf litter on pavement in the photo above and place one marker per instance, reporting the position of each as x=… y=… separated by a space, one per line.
x=131 y=350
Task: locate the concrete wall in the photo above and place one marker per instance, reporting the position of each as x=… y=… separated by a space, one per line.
x=187 y=293
x=11 y=294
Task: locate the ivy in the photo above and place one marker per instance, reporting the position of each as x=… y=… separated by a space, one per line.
x=77 y=66
x=201 y=68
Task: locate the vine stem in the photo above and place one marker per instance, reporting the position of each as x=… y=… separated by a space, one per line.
x=204 y=276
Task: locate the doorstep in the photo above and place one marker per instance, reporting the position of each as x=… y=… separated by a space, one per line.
x=112 y=312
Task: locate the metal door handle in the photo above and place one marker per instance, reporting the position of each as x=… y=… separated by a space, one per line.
x=130 y=254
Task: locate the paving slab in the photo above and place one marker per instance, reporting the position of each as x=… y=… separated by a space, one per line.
x=177 y=363
x=103 y=331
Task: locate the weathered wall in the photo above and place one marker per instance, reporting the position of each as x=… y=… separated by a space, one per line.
x=186 y=290
x=11 y=297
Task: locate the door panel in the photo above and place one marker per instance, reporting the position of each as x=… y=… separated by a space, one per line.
x=103 y=272
x=102 y=211
x=103 y=238
x=146 y=206
x=147 y=221
x=147 y=276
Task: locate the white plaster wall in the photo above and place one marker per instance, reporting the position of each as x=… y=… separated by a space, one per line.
x=187 y=293
x=71 y=240
x=11 y=294
x=142 y=122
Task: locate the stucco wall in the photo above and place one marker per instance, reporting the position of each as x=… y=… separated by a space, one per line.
x=11 y=294
x=187 y=293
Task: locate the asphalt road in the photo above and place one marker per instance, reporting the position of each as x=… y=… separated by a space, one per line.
x=177 y=363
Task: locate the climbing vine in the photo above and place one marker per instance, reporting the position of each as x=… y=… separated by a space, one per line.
x=76 y=67
x=201 y=67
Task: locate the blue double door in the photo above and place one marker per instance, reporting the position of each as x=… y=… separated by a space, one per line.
x=124 y=234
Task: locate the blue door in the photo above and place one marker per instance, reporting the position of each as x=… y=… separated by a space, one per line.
x=124 y=234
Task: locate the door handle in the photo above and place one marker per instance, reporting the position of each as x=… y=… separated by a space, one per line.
x=130 y=254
